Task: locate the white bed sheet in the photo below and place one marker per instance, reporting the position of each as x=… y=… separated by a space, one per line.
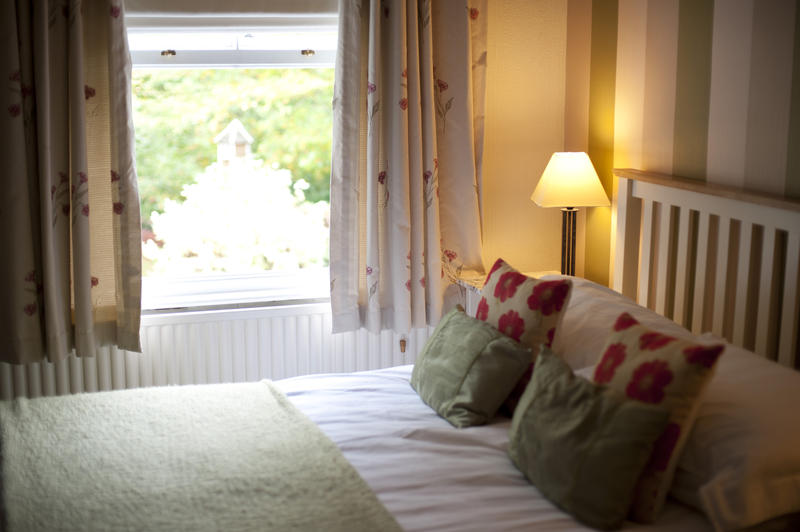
x=429 y=475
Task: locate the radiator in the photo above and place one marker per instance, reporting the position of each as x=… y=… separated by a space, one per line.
x=235 y=345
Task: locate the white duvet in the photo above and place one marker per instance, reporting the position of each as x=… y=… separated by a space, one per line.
x=429 y=475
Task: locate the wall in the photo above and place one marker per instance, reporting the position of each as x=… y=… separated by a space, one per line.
x=525 y=103
x=704 y=89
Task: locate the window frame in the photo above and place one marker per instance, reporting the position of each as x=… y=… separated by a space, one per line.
x=223 y=291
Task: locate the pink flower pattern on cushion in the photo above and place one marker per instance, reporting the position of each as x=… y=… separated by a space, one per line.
x=613 y=357
x=624 y=321
x=671 y=372
x=549 y=296
x=649 y=381
x=511 y=324
x=482 y=312
x=503 y=304
x=663 y=447
x=507 y=285
x=654 y=340
x=704 y=355
x=507 y=289
x=497 y=265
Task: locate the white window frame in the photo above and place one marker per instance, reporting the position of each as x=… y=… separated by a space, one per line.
x=223 y=291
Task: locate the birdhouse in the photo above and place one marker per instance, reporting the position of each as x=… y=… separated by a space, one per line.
x=233 y=143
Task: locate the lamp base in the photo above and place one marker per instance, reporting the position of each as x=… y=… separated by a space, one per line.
x=568 y=217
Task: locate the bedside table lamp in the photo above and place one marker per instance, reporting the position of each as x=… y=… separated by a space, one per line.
x=569 y=181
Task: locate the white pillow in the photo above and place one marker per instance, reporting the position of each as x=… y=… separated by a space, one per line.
x=741 y=463
x=590 y=314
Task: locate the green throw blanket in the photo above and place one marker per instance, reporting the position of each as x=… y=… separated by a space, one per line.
x=220 y=457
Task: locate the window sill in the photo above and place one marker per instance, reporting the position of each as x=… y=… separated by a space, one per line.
x=231 y=291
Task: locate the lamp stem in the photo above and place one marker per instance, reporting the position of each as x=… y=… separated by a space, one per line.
x=568 y=216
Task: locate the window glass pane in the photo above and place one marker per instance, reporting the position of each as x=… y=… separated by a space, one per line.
x=234 y=168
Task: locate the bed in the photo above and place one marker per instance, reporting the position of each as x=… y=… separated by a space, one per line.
x=403 y=466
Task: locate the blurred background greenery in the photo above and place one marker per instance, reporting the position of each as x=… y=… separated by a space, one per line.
x=177 y=114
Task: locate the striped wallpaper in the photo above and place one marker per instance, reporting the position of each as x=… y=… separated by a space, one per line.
x=706 y=89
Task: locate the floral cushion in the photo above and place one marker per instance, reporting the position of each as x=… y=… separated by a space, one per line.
x=528 y=310
x=524 y=308
x=657 y=369
x=581 y=444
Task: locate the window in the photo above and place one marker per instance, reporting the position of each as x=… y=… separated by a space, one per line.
x=233 y=155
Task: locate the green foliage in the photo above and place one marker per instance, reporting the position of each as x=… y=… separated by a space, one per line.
x=177 y=114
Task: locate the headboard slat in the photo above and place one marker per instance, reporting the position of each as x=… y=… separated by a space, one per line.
x=680 y=313
x=662 y=270
x=787 y=348
x=646 y=255
x=742 y=283
x=763 y=323
x=698 y=310
x=721 y=275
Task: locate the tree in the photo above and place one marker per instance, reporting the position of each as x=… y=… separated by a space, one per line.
x=177 y=113
x=241 y=217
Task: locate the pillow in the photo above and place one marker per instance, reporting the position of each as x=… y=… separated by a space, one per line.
x=658 y=369
x=590 y=314
x=582 y=445
x=526 y=309
x=467 y=368
x=741 y=465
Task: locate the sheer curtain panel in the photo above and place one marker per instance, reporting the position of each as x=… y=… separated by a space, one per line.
x=407 y=150
x=71 y=274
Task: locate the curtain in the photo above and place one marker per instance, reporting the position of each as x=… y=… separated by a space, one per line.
x=406 y=163
x=71 y=274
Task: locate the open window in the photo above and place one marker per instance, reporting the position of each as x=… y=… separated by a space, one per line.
x=233 y=132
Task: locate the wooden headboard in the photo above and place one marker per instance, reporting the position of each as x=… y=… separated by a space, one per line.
x=712 y=258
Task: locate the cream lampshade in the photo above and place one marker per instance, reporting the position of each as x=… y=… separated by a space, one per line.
x=569 y=181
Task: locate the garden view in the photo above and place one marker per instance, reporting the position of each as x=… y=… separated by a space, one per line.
x=265 y=208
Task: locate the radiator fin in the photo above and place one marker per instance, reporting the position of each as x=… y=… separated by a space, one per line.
x=238 y=345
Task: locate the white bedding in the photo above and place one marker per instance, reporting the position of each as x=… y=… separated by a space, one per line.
x=429 y=475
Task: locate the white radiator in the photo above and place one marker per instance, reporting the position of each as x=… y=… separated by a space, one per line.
x=234 y=345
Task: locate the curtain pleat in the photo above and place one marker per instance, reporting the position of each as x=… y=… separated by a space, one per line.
x=407 y=149
x=72 y=278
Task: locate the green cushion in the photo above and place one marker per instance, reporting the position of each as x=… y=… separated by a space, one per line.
x=467 y=369
x=581 y=444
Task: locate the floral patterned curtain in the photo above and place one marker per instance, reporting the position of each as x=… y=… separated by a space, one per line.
x=71 y=274
x=407 y=151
